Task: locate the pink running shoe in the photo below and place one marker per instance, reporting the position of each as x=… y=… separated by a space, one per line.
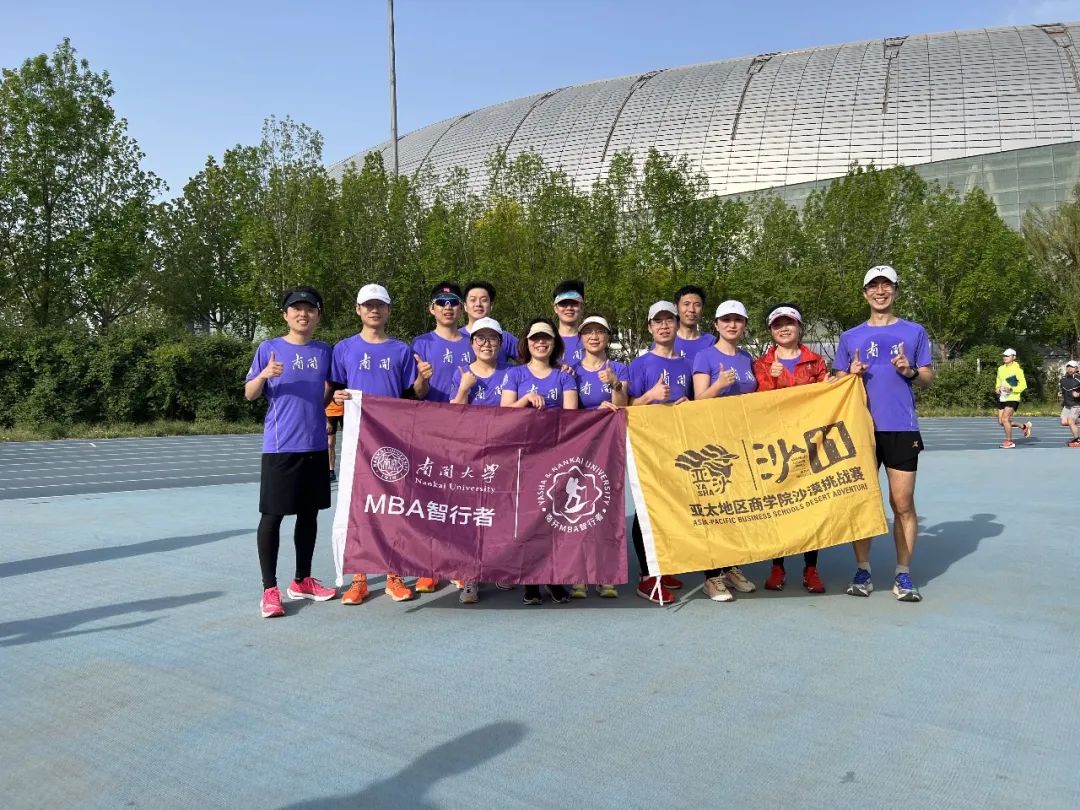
x=310 y=588
x=271 y=604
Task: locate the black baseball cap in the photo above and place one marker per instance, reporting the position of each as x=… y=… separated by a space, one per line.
x=302 y=296
x=446 y=289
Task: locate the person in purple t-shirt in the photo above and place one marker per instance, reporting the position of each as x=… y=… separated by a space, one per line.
x=376 y=364
x=292 y=372
x=689 y=340
x=602 y=383
x=658 y=377
x=445 y=348
x=481 y=382
x=725 y=370
x=540 y=383
x=479 y=301
x=568 y=301
x=892 y=356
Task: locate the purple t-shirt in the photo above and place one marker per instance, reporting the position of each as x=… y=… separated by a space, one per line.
x=508 y=349
x=789 y=363
x=573 y=351
x=646 y=371
x=890 y=396
x=522 y=381
x=713 y=361
x=384 y=369
x=445 y=356
x=688 y=348
x=295 y=420
x=591 y=392
x=486 y=391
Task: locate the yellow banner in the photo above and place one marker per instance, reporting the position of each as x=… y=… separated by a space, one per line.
x=739 y=479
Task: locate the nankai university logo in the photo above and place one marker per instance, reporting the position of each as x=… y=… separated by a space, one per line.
x=574 y=495
x=390 y=464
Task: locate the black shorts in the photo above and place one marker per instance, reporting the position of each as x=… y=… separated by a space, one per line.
x=899 y=449
x=294 y=483
x=1012 y=403
x=333 y=424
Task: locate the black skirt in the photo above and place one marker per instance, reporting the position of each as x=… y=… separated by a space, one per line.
x=294 y=483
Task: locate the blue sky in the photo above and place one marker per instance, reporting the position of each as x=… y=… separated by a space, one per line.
x=194 y=78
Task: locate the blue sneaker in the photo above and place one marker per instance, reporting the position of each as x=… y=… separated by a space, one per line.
x=861 y=584
x=904 y=590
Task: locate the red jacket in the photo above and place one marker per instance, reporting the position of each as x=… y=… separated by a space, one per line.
x=810 y=369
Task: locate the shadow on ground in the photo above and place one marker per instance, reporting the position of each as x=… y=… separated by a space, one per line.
x=51 y=628
x=409 y=786
x=68 y=559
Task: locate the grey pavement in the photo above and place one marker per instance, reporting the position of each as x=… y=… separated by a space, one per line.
x=136 y=671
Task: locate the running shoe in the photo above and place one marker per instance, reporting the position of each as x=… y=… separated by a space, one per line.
x=333 y=476
x=426 y=585
x=532 y=595
x=777 y=578
x=1008 y=445
x=579 y=590
x=649 y=588
x=811 y=581
x=670 y=582
x=559 y=594
x=861 y=584
x=735 y=579
x=904 y=590
x=396 y=588
x=458 y=583
x=1026 y=427
x=505 y=586
x=716 y=590
x=607 y=592
x=470 y=593
x=310 y=588
x=1073 y=443
x=357 y=591
x=270 y=606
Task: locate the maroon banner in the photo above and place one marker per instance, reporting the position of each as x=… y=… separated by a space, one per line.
x=488 y=494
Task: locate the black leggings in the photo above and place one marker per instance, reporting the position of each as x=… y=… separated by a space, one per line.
x=269 y=537
x=809 y=559
x=639 y=547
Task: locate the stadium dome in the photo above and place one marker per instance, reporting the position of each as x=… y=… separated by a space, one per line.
x=995 y=108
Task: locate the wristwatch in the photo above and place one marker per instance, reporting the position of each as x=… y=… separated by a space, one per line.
x=913 y=375
x=617 y=386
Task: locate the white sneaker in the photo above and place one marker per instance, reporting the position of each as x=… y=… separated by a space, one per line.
x=734 y=579
x=470 y=593
x=716 y=590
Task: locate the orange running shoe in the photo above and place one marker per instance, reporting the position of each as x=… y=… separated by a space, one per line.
x=396 y=588
x=426 y=585
x=357 y=592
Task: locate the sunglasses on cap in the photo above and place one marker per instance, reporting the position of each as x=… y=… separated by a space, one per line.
x=447 y=301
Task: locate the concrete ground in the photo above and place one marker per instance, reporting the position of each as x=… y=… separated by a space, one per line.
x=136 y=671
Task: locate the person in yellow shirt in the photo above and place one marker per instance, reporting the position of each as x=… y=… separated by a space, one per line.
x=1009 y=385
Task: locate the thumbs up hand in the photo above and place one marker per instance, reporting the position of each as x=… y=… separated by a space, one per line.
x=423 y=367
x=606 y=375
x=273 y=368
x=900 y=359
x=857 y=365
x=468 y=379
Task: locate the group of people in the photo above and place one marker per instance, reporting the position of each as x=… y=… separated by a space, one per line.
x=1010 y=383
x=563 y=362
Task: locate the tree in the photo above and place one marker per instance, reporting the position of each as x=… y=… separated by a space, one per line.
x=67 y=166
x=1053 y=238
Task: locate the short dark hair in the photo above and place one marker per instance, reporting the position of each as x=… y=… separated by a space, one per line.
x=306 y=291
x=689 y=289
x=557 y=345
x=568 y=285
x=446 y=288
x=486 y=286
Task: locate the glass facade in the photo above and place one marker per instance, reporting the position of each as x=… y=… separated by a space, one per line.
x=999 y=108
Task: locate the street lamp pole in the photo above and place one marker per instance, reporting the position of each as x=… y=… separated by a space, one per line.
x=393 y=88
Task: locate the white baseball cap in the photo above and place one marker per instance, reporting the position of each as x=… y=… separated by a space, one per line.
x=1073 y=364
x=1009 y=353
x=880 y=271
x=731 y=308
x=372 y=292
x=594 y=319
x=486 y=323
x=662 y=306
x=783 y=312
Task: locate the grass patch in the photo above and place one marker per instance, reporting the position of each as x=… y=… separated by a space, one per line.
x=58 y=430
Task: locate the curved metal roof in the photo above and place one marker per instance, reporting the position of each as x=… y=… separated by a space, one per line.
x=791 y=117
